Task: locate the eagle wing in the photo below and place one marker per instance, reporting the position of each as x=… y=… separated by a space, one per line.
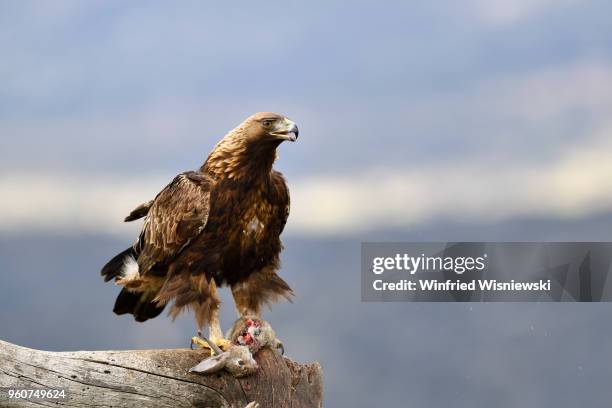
x=177 y=215
x=139 y=212
x=280 y=197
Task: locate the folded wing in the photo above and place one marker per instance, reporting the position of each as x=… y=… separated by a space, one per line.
x=177 y=215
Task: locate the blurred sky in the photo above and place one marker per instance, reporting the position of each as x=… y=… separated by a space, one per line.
x=410 y=112
x=447 y=120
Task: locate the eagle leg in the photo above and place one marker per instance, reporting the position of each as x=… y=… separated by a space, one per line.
x=215 y=334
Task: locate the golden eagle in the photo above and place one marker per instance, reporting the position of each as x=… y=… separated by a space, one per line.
x=219 y=225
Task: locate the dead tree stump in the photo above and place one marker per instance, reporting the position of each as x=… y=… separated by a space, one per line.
x=152 y=379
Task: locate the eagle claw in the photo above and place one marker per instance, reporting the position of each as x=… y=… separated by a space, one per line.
x=198 y=341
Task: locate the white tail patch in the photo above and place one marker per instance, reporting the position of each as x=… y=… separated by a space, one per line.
x=129 y=270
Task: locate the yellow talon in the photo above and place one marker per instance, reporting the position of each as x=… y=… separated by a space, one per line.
x=197 y=341
x=222 y=343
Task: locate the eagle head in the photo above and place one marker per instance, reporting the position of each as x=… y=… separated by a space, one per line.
x=268 y=126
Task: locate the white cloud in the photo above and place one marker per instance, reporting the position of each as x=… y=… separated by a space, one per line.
x=69 y=203
x=573 y=185
x=528 y=114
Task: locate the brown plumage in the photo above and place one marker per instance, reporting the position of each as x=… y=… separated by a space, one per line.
x=219 y=225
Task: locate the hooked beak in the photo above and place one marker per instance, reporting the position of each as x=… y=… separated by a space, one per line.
x=287 y=131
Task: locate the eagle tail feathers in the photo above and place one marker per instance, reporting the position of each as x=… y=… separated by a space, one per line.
x=130 y=270
x=137 y=304
x=113 y=268
x=124 y=269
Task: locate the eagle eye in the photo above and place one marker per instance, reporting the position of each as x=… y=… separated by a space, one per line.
x=267 y=123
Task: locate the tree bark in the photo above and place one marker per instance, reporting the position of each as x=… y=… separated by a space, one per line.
x=153 y=378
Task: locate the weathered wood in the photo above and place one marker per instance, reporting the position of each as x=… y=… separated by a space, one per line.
x=154 y=378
